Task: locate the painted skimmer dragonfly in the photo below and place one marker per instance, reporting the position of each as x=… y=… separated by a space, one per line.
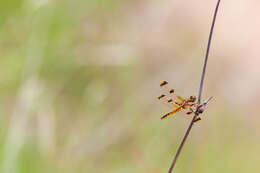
x=178 y=103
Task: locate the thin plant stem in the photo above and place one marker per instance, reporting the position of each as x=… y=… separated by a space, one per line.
x=207 y=53
x=182 y=144
x=200 y=91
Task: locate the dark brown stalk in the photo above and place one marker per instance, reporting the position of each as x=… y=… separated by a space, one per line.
x=207 y=52
x=182 y=143
x=200 y=90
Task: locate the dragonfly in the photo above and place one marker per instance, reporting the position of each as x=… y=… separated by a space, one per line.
x=178 y=103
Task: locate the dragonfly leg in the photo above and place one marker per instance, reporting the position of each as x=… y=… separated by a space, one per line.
x=190 y=112
x=197 y=119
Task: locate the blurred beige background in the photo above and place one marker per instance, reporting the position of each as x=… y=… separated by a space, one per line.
x=79 y=81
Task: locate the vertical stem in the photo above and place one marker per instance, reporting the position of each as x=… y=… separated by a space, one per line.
x=200 y=90
x=207 y=53
x=182 y=144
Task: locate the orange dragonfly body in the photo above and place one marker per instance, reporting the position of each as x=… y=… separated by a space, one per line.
x=175 y=101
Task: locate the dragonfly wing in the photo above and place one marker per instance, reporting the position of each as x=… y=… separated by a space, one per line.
x=170 y=93
x=181 y=98
x=168 y=101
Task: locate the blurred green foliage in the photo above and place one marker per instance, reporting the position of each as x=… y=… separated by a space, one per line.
x=69 y=103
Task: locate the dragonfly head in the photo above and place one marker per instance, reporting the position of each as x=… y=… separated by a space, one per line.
x=200 y=109
x=193 y=98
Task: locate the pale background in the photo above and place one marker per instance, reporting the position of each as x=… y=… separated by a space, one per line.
x=79 y=81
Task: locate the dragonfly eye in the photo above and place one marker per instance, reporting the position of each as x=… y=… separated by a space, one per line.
x=193 y=98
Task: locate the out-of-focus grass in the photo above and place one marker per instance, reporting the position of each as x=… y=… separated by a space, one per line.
x=78 y=85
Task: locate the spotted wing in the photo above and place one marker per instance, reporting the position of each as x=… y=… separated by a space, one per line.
x=167 y=101
x=170 y=97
